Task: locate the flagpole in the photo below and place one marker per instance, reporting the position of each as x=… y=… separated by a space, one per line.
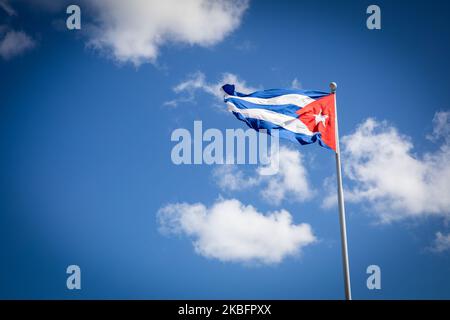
x=345 y=264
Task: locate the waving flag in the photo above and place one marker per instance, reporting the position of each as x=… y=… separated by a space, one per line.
x=304 y=116
x=299 y=115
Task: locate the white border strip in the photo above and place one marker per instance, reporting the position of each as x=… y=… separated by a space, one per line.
x=295 y=99
x=282 y=120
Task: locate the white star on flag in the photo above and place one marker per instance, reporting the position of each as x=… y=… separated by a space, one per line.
x=320 y=118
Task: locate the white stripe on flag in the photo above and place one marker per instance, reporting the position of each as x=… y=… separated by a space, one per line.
x=282 y=120
x=295 y=99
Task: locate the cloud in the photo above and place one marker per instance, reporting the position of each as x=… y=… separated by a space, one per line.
x=330 y=194
x=15 y=43
x=7 y=7
x=441 y=242
x=389 y=177
x=229 y=177
x=231 y=231
x=133 y=31
x=295 y=84
x=246 y=46
x=441 y=127
x=196 y=82
x=289 y=183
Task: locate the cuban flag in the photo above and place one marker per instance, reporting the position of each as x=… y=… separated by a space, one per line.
x=302 y=116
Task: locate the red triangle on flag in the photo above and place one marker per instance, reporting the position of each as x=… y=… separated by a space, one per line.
x=320 y=116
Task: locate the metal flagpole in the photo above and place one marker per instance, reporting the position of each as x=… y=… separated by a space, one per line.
x=345 y=264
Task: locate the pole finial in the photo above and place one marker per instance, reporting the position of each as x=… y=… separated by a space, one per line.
x=333 y=87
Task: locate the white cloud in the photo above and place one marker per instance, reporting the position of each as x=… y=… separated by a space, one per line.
x=441 y=242
x=246 y=46
x=15 y=43
x=295 y=84
x=12 y=42
x=133 y=31
x=392 y=179
x=240 y=84
x=197 y=82
x=329 y=187
x=290 y=182
x=229 y=177
x=441 y=126
x=231 y=231
x=7 y=7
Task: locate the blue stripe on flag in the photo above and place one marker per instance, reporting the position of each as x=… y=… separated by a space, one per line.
x=283 y=133
x=287 y=109
x=270 y=93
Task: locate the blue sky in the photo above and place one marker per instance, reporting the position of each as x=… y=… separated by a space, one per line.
x=85 y=147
